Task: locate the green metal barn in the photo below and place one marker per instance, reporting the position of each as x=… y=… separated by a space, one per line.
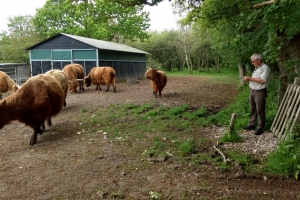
x=62 y=49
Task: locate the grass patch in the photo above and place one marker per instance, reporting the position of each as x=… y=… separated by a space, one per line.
x=233 y=137
x=176 y=130
x=226 y=74
x=187 y=147
x=240 y=158
x=159 y=133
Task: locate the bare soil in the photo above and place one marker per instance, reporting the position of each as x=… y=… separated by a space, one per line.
x=68 y=164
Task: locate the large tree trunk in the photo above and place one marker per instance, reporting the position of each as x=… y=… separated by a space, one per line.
x=242 y=72
x=217 y=61
x=289 y=52
x=297 y=81
x=282 y=87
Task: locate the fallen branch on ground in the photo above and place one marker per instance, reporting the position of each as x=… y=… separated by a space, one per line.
x=220 y=152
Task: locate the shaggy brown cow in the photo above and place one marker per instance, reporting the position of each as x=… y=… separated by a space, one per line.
x=101 y=75
x=62 y=78
x=39 y=98
x=158 y=80
x=6 y=84
x=74 y=72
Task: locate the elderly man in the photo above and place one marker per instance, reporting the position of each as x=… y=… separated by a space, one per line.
x=258 y=84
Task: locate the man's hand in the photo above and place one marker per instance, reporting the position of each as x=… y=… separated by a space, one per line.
x=257 y=80
x=246 y=78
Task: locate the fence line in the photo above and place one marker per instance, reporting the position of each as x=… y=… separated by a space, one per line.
x=288 y=113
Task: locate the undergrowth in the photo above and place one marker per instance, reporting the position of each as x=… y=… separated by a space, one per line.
x=286 y=158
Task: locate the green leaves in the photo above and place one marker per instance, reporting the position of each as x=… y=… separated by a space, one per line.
x=244 y=29
x=21 y=34
x=99 y=19
x=286 y=159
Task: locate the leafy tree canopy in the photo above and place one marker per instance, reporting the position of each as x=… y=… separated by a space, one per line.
x=190 y=3
x=99 y=19
x=247 y=27
x=21 y=34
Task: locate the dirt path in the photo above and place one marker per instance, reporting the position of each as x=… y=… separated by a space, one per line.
x=75 y=165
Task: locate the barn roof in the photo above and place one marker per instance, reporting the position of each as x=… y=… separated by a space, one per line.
x=11 y=64
x=99 y=44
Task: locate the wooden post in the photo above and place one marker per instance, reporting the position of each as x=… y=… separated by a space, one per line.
x=231 y=126
x=296 y=81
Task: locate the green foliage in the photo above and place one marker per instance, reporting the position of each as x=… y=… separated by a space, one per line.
x=117 y=195
x=226 y=74
x=196 y=114
x=286 y=158
x=21 y=34
x=105 y=20
x=199 y=158
x=170 y=50
x=164 y=49
x=83 y=110
x=175 y=112
x=187 y=147
x=240 y=158
x=233 y=137
x=238 y=30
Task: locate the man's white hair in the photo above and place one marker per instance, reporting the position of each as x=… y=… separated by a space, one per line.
x=257 y=56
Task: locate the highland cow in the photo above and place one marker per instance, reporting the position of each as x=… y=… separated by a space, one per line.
x=74 y=72
x=101 y=75
x=7 y=84
x=39 y=98
x=158 y=80
x=62 y=78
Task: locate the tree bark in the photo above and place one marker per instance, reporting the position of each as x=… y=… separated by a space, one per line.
x=297 y=81
x=264 y=3
x=231 y=126
x=282 y=87
x=242 y=72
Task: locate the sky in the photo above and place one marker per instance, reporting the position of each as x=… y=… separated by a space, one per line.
x=161 y=16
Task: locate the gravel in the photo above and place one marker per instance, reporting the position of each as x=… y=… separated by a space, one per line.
x=258 y=145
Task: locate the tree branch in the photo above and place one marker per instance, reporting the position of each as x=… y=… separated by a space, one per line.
x=264 y=3
x=137 y=3
x=220 y=152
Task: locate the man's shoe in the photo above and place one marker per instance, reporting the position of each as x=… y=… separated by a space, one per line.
x=248 y=127
x=258 y=131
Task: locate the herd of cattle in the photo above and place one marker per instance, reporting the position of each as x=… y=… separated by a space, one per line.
x=43 y=96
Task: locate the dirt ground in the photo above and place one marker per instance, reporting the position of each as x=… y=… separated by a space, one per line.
x=68 y=164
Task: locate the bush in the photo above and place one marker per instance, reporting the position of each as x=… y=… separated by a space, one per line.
x=286 y=159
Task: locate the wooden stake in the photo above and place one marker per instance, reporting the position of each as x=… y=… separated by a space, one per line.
x=231 y=126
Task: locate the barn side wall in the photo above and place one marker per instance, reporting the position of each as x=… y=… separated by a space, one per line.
x=59 y=51
x=127 y=65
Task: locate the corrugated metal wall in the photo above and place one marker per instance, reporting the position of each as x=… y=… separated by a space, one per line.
x=127 y=65
x=124 y=70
